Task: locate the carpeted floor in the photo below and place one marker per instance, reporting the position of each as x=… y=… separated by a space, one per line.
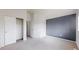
x=47 y=43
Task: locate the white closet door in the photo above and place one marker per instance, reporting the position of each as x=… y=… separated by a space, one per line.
x=10 y=30
x=19 y=29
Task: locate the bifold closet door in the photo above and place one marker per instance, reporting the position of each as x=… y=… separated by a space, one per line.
x=10 y=30
x=19 y=29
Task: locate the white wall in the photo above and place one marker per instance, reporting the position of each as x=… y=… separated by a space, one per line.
x=39 y=20
x=1 y=31
x=19 y=13
x=9 y=30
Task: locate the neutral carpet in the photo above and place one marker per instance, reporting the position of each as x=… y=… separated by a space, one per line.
x=47 y=43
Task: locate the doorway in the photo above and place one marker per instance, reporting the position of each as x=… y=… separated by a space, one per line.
x=28 y=29
x=19 y=29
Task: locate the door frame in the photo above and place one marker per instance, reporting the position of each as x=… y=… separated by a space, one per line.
x=17 y=19
x=24 y=28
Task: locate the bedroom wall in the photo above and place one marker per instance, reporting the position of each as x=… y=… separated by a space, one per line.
x=39 y=20
x=1 y=31
x=19 y=13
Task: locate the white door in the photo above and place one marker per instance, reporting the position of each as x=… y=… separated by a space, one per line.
x=10 y=30
x=19 y=29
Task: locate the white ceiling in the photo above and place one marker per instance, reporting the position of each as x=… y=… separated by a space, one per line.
x=53 y=12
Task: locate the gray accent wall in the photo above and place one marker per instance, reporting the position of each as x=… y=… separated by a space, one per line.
x=62 y=27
